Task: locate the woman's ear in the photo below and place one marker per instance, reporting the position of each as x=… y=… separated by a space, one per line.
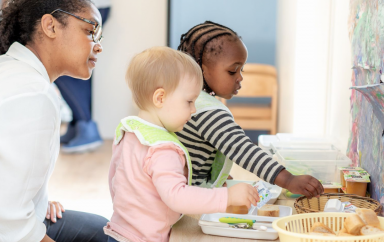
x=49 y=25
x=158 y=97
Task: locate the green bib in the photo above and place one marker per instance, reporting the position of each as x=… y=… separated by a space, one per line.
x=150 y=135
x=221 y=165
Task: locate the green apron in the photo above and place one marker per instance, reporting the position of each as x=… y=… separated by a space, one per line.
x=150 y=135
x=221 y=165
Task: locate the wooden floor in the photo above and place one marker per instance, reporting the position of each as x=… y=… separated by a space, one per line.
x=80 y=181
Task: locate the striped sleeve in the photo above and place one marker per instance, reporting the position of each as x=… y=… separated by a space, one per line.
x=219 y=129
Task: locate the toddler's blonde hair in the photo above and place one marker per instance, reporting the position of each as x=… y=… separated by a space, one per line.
x=159 y=67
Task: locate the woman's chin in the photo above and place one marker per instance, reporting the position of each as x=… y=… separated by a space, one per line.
x=84 y=75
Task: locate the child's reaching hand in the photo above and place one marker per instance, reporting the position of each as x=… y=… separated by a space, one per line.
x=242 y=194
x=305 y=185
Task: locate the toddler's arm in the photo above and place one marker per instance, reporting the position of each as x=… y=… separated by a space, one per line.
x=165 y=166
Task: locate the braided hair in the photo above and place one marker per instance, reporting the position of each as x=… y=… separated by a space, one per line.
x=202 y=40
x=20 y=18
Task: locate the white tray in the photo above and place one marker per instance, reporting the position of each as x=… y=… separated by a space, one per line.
x=269 y=234
x=275 y=190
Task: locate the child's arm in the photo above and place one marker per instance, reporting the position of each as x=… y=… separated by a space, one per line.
x=220 y=130
x=166 y=167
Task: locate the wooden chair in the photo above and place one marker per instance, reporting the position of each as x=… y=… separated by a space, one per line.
x=259 y=81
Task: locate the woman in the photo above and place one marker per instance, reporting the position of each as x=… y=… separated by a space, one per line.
x=40 y=41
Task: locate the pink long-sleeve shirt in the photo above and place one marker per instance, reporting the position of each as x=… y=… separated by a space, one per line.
x=149 y=191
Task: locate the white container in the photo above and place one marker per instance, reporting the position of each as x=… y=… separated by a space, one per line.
x=294 y=145
x=269 y=234
x=264 y=142
x=275 y=190
x=303 y=138
x=321 y=164
x=333 y=206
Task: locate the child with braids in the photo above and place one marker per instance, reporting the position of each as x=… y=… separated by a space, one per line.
x=213 y=139
x=150 y=172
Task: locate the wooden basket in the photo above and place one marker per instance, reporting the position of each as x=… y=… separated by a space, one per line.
x=314 y=205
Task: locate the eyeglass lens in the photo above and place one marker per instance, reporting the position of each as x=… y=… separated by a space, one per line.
x=98 y=34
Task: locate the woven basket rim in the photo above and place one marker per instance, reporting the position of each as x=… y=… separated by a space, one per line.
x=301 y=209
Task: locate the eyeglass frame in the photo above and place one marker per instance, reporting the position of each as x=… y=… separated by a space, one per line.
x=95 y=24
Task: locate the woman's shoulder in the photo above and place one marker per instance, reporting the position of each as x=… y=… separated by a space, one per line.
x=17 y=78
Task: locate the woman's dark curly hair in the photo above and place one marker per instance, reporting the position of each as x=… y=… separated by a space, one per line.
x=20 y=18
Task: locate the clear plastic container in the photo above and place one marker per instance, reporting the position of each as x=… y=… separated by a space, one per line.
x=303 y=138
x=321 y=164
x=265 y=141
x=293 y=145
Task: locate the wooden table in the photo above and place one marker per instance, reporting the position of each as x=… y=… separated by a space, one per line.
x=188 y=230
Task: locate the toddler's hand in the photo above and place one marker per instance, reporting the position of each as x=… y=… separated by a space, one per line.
x=305 y=185
x=242 y=194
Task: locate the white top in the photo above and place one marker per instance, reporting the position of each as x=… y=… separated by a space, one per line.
x=29 y=144
x=102 y=3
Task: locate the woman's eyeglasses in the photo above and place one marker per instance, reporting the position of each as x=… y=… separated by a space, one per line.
x=97 y=29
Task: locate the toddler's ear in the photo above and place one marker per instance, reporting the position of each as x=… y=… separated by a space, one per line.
x=158 y=97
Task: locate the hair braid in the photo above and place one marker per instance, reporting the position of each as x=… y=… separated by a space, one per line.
x=194 y=42
x=188 y=35
x=206 y=42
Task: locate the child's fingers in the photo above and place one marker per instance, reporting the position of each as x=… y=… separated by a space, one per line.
x=306 y=193
x=254 y=194
x=311 y=189
x=317 y=185
x=254 y=198
x=248 y=203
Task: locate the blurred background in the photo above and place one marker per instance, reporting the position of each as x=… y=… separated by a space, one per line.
x=306 y=41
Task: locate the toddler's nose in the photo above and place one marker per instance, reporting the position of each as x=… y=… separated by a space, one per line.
x=193 y=109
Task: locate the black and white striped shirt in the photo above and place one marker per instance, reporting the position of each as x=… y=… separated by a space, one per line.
x=216 y=130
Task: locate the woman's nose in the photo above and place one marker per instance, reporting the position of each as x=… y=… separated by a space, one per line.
x=98 y=48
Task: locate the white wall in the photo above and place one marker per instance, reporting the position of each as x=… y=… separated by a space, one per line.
x=133 y=26
x=340 y=73
x=313 y=60
x=285 y=49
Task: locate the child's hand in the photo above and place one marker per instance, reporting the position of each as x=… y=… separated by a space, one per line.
x=305 y=185
x=242 y=194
